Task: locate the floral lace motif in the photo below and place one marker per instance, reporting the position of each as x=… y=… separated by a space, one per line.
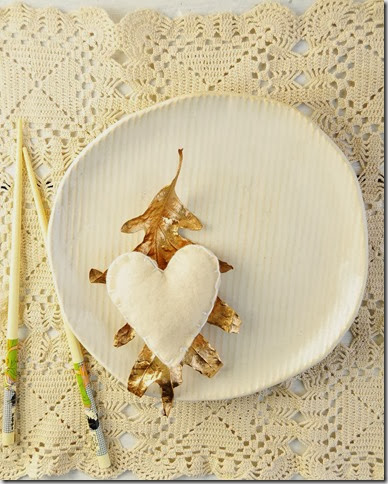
x=70 y=76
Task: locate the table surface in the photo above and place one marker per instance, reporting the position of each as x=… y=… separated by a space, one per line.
x=171 y=8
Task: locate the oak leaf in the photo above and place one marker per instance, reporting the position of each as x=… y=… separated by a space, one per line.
x=161 y=223
x=124 y=335
x=147 y=370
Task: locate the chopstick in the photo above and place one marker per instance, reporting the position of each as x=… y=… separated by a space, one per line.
x=11 y=370
x=74 y=345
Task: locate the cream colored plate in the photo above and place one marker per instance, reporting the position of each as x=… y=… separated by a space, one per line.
x=278 y=201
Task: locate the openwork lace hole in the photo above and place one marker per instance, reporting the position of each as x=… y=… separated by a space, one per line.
x=301 y=47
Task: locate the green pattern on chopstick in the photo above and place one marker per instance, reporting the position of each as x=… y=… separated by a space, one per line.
x=90 y=408
x=83 y=381
x=11 y=363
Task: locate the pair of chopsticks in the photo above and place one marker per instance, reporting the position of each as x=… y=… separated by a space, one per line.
x=81 y=373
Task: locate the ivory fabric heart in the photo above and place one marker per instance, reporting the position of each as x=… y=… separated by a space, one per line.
x=166 y=308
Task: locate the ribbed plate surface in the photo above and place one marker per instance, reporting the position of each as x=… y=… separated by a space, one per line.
x=278 y=201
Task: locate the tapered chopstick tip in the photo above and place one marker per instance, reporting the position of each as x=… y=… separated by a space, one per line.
x=19 y=128
x=26 y=156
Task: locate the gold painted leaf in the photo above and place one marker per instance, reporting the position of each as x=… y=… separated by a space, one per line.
x=167 y=396
x=147 y=370
x=123 y=336
x=202 y=357
x=224 y=317
x=97 y=277
x=225 y=267
x=176 y=376
x=161 y=221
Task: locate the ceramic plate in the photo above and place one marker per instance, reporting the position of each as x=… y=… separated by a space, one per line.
x=278 y=201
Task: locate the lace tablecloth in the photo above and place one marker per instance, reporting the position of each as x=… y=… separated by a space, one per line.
x=70 y=76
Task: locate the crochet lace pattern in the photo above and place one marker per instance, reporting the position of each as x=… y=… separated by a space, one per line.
x=70 y=76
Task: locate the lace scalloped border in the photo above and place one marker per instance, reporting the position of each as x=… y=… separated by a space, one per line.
x=73 y=74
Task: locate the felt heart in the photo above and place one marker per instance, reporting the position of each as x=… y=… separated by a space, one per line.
x=166 y=308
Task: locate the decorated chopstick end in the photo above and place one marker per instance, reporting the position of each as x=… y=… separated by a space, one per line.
x=8 y=437
x=103 y=461
x=92 y=415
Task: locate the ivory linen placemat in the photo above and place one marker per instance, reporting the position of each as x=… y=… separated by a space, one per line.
x=70 y=76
